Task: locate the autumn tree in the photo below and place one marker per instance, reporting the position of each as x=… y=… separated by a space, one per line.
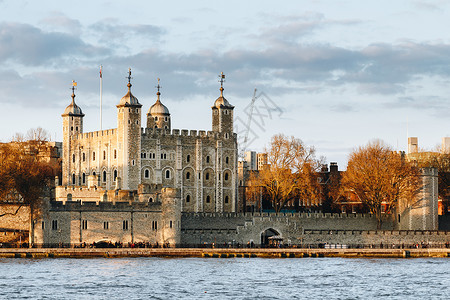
x=380 y=177
x=290 y=173
x=26 y=171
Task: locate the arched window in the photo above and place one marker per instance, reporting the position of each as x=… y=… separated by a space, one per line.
x=165 y=119
x=104 y=176
x=226 y=160
x=167 y=174
x=188 y=198
x=150 y=199
x=226 y=199
x=207 y=159
x=188 y=175
x=115 y=175
x=93 y=173
x=226 y=176
x=188 y=158
x=207 y=176
x=208 y=199
x=156 y=118
x=147 y=174
x=73 y=179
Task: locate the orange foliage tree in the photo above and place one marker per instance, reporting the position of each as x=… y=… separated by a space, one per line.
x=380 y=177
x=290 y=173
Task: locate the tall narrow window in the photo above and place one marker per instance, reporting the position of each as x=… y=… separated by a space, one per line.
x=84 y=156
x=83 y=178
x=73 y=179
x=115 y=153
x=208 y=199
x=104 y=155
x=226 y=160
x=54 y=224
x=188 y=198
x=93 y=155
x=207 y=159
x=207 y=176
x=73 y=158
x=226 y=199
x=84 y=224
x=167 y=174
x=115 y=175
x=226 y=176
x=147 y=174
x=188 y=175
x=106 y=225
x=104 y=176
x=188 y=158
x=125 y=225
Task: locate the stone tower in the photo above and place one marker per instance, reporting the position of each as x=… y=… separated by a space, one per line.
x=72 y=125
x=158 y=115
x=422 y=212
x=171 y=216
x=129 y=139
x=222 y=113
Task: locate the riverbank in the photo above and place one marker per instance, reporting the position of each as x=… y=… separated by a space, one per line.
x=219 y=253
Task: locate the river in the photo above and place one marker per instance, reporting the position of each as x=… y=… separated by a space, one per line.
x=232 y=278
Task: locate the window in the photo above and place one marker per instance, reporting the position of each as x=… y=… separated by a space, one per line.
x=188 y=198
x=93 y=155
x=84 y=156
x=150 y=199
x=170 y=224
x=143 y=155
x=133 y=162
x=147 y=174
x=84 y=224
x=43 y=225
x=188 y=158
x=73 y=179
x=226 y=176
x=156 y=118
x=69 y=197
x=154 y=225
x=165 y=119
x=54 y=224
x=207 y=159
x=106 y=225
x=115 y=175
x=226 y=160
x=104 y=176
x=165 y=127
x=73 y=158
x=83 y=177
x=188 y=175
x=104 y=155
x=208 y=199
x=226 y=199
x=115 y=153
x=207 y=176
x=125 y=225
x=226 y=135
x=167 y=174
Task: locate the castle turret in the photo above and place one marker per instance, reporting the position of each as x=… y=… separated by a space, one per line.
x=72 y=125
x=158 y=115
x=129 y=139
x=222 y=112
x=171 y=216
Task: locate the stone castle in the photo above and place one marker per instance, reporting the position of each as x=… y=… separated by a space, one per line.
x=178 y=187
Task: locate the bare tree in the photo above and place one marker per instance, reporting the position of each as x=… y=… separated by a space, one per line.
x=290 y=173
x=26 y=171
x=380 y=177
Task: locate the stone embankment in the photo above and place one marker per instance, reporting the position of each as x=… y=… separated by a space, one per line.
x=220 y=253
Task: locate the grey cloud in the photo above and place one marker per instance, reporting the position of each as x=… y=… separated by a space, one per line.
x=31 y=46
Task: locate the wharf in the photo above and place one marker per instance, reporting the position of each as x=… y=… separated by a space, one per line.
x=219 y=252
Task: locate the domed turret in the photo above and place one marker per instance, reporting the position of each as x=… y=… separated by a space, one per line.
x=158 y=115
x=222 y=112
x=129 y=99
x=73 y=109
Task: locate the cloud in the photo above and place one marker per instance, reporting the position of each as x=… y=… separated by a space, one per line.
x=30 y=46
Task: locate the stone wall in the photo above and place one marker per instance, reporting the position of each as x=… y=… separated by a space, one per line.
x=14 y=223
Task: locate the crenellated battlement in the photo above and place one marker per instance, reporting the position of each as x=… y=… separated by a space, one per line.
x=99 y=133
x=122 y=206
x=159 y=132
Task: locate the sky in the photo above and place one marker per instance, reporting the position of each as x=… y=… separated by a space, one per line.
x=334 y=73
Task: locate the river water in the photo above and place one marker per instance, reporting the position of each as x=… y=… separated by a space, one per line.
x=232 y=278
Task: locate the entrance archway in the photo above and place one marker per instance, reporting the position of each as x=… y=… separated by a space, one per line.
x=268 y=235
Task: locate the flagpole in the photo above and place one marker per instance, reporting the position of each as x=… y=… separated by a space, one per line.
x=101 y=92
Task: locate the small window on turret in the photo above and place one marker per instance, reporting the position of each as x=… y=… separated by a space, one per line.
x=208 y=199
x=165 y=119
x=76 y=128
x=188 y=158
x=115 y=153
x=156 y=118
x=188 y=175
x=226 y=199
x=226 y=160
x=226 y=135
x=167 y=174
x=71 y=128
x=207 y=159
x=73 y=158
x=188 y=198
x=165 y=127
x=104 y=155
x=93 y=155
x=84 y=156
